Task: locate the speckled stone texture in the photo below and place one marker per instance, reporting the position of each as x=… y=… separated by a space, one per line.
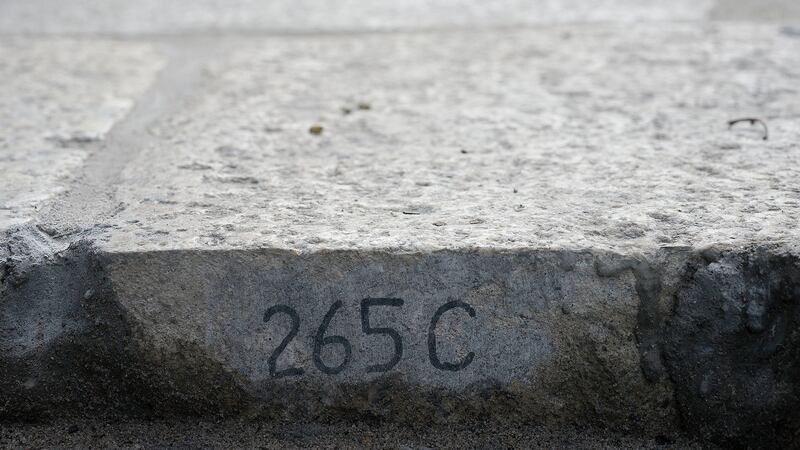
x=551 y=225
x=606 y=137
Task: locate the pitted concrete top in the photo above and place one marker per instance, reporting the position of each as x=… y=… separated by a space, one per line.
x=592 y=136
x=602 y=137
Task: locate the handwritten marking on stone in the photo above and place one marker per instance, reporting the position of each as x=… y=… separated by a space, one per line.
x=369 y=328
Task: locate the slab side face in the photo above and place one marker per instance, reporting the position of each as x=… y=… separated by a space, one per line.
x=307 y=334
x=505 y=310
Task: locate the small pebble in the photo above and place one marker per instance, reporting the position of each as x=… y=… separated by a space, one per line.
x=316 y=130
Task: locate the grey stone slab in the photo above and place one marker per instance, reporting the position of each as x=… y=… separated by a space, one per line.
x=548 y=225
x=603 y=138
x=58 y=100
x=156 y=16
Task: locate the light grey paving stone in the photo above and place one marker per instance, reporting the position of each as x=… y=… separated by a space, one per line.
x=602 y=138
x=58 y=100
x=156 y=16
x=546 y=226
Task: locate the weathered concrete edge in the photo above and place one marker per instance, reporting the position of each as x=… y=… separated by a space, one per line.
x=739 y=304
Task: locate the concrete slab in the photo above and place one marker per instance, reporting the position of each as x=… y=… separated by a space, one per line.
x=602 y=138
x=562 y=229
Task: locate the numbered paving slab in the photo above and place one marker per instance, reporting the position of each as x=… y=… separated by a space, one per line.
x=543 y=226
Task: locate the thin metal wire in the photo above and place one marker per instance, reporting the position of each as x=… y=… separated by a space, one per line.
x=753 y=121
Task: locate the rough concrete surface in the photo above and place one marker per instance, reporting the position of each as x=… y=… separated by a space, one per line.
x=606 y=137
x=59 y=98
x=548 y=226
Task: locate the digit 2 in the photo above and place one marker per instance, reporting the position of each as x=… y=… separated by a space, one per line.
x=273 y=358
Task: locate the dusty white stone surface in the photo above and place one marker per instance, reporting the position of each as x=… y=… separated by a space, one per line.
x=603 y=137
x=58 y=100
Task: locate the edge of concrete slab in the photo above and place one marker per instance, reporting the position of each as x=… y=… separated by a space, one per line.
x=715 y=348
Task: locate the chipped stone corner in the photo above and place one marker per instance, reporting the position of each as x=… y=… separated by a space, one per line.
x=69 y=348
x=732 y=345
